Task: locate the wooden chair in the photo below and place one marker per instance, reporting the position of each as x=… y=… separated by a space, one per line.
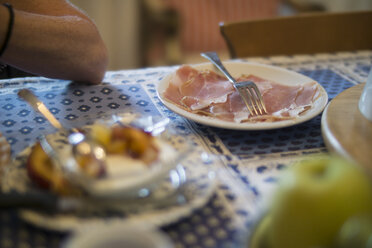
x=299 y=34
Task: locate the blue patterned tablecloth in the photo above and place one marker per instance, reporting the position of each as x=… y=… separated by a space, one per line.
x=251 y=159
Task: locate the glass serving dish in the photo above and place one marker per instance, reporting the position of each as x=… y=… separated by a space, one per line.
x=123 y=175
x=169 y=189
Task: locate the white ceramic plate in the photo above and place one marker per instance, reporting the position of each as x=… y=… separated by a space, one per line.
x=197 y=193
x=119 y=235
x=199 y=187
x=236 y=69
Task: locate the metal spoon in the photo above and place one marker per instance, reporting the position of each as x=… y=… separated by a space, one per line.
x=83 y=148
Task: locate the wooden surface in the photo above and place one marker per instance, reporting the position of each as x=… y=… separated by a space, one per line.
x=299 y=34
x=346 y=131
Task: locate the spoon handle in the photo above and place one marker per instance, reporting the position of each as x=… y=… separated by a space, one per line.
x=39 y=106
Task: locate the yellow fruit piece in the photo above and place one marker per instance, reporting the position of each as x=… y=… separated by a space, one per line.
x=101 y=134
x=117 y=147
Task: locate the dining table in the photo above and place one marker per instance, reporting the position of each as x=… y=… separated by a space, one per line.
x=246 y=164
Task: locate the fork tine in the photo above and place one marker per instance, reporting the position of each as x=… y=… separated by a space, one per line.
x=247 y=99
x=250 y=92
x=254 y=101
x=260 y=100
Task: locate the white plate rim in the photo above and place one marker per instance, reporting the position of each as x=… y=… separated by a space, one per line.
x=62 y=222
x=158 y=218
x=103 y=233
x=278 y=74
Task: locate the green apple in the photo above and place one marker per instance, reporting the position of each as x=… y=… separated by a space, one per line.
x=355 y=232
x=259 y=235
x=314 y=199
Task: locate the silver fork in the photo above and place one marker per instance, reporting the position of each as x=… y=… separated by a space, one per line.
x=247 y=89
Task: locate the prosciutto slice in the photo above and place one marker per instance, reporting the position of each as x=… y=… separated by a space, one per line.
x=195 y=90
x=208 y=93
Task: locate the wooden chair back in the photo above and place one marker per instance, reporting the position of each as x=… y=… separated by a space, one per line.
x=299 y=34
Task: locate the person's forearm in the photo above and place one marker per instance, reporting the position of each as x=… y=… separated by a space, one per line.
x=66 y=47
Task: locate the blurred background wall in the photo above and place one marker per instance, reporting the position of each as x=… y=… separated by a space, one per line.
x=141 y=33
x=118 y=23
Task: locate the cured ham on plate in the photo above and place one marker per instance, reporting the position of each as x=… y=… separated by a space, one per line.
x=201 y=94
